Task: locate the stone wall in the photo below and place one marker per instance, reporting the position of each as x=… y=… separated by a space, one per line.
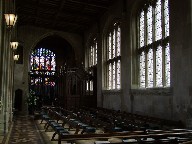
x=29 y=37
x=173 y=103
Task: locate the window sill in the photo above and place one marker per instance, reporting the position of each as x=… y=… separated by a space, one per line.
x=166 y=91
x=112 y=91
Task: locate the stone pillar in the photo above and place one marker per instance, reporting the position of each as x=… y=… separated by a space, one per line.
x=99 y=71
x=181 y=59
x=126 y=57
x=1 y=58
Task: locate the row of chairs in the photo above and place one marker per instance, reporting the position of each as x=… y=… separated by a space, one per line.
x=52 y=117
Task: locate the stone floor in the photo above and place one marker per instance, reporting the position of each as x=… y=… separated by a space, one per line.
x=27 y=130
x=24 y=131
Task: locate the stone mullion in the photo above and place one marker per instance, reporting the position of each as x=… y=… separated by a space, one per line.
x=100 y=72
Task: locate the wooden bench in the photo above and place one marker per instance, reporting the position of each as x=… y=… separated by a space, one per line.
x=140 y=138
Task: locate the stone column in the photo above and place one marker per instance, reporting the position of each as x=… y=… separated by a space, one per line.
x=1 y=59
x=99 y=71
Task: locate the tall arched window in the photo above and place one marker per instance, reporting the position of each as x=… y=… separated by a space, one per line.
x=92 y=60
x=113 y=57
x=42 y=73
x=153 y=45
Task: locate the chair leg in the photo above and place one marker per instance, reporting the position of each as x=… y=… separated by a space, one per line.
x=53 y=137
x=47 y=127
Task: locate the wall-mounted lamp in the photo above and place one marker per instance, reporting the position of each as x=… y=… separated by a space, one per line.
x=14 y=45
x=16 y=57
x=10 y=20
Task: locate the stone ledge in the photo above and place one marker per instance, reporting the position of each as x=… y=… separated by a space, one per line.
x=152 y=91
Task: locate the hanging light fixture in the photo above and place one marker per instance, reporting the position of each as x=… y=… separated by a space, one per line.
x=16 y=57
x=10 y=16
x=14 y=45
x=10 y=20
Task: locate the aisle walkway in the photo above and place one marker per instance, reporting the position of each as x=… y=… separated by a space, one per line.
x=24 y=131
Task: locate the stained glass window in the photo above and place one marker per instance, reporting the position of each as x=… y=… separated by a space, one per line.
x=43 y=63
x=153 y=45
x=113 y=63
x=43 y=59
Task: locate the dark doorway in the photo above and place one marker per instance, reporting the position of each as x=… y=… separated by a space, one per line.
x=18 y=100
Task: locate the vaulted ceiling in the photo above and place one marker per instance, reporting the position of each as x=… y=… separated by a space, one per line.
x=64 y=15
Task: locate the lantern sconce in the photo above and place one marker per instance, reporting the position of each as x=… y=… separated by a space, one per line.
x=16 y=57
x=14 y=45
x=10 y=20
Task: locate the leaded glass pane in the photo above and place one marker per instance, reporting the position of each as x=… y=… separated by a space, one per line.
x=53 y=63
x=114 y=75
x=91 y=85
x=114 y=43
x=93 y=58
x=141 y=27
x=149 y=25
x=166 y=18
x=96 y=53
x=150 y=68
x=109 y=48
x=159 y=63
x=162 y=54
x=118 y=41
x=142 y=70
x=91 y=55
x=118 y=74
x=87 y=85
x=158 y=21
x=167 y=65
x=42 y=59
x=110 y=76
x=32 y=63
x=114 y=50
